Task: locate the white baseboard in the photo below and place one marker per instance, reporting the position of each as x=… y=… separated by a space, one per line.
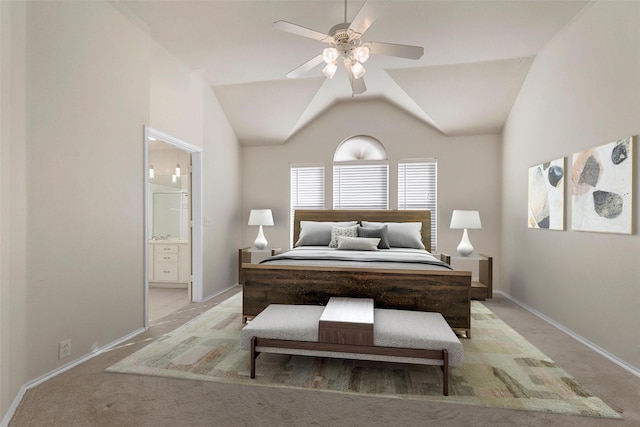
x=161 y=285
x=58 y=371
x=14 y=406
x=634 y=370
x=220 y=292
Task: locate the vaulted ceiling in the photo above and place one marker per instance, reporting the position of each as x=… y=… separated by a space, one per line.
x=476 y=57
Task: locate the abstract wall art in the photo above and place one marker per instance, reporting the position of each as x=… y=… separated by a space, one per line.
x=602 y=188
x=546 y=195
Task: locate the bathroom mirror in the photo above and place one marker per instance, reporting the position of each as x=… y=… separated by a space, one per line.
x=168 y=192
x=170 y=213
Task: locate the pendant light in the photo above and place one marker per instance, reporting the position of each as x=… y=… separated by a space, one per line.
x=177 y=166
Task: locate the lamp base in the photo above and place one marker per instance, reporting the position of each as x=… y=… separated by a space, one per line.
x=465 y=248
x=261 y=241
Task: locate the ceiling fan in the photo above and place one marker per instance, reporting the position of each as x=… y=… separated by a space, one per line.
x=345 y=41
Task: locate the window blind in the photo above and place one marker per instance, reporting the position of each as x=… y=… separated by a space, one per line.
x=361 y=186
x=307 y=190
x=418 y=189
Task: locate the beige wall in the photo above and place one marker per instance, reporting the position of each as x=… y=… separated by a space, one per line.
x=87 y=95
x=13 y=202
x=184 y=106
x=175 y=97
x=221 y=190
x=73 y=140
x=582 y=91
x=468 y=169
x=79 y=80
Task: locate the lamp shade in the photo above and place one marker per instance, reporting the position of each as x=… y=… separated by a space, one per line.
x=330 y=54
x=361 y=53
x=357 y=69
x=260 y=217
x=330 y=69
x=465 y=219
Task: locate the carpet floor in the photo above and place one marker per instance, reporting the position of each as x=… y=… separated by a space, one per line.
x=87 y=395
x=501 y=369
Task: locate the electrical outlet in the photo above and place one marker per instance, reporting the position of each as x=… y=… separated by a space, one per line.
x=64 y=349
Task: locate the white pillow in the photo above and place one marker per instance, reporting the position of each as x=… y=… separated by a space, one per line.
x=401 y=234
x=318 y=233
x=358 y=243
x=342 y=231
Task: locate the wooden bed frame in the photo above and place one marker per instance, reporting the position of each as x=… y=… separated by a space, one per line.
x=444 y=291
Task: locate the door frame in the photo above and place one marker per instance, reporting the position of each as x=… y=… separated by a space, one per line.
x=196 y=214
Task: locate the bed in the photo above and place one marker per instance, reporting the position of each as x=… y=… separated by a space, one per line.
x=400 y=277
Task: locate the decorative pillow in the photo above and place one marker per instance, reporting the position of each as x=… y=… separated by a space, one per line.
x=318 y=233
x=342 y=231
x=358 y=243
x=380 y=232
x=401 y=234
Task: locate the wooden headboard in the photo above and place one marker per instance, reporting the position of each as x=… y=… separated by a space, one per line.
x=422 y=216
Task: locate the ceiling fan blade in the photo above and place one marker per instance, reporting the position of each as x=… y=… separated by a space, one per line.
x=399 y=50
x=307 y=66
x=301 y=31
x=357 y=85
x=367 y=14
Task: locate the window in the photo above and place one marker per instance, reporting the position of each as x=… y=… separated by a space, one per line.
x=418 y=189
x=359 y=186
x=360 y=174
x=307 y=190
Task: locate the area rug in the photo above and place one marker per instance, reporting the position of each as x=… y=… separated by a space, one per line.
x=501 y=369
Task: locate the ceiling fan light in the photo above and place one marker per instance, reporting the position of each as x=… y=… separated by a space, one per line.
x=361 y=53
x=330 y=54
x=357 y=69
x=330 y=70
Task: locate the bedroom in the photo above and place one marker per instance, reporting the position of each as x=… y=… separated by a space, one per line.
x=140 y=82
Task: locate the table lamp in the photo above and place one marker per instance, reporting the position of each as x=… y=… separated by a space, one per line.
x=260 y=217
x=465 y=220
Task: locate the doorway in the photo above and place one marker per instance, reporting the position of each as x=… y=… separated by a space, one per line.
x=173 y=243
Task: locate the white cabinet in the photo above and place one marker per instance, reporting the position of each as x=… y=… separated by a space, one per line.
x=169 y=262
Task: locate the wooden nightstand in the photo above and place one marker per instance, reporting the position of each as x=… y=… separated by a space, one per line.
x=481 y=267
x=251 y=255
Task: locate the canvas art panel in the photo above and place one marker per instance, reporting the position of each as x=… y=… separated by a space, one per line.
x=602 y=188
x=546 y=195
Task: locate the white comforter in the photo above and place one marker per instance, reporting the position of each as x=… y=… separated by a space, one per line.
x=384 y=258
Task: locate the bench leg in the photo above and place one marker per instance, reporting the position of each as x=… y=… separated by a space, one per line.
x=253 y=357
x=445 y=372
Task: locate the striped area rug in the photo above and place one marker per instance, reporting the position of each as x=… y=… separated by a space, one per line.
x=501 y=369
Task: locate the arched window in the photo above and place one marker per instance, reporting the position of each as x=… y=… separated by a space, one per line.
x=360 y=174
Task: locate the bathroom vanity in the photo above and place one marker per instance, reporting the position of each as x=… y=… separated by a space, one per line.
x=169 y=263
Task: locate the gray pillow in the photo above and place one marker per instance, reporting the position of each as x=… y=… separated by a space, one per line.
x=318 y=233
x=401 y=234
x=342 y=231
x=379 y=232
x=357 y=243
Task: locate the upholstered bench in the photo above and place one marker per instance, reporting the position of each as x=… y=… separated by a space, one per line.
x=398 y=335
